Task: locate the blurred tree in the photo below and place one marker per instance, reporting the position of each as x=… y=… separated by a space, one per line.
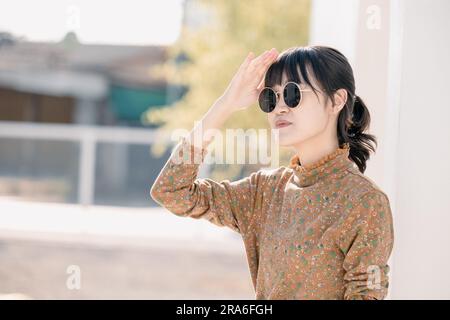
x=205 y=59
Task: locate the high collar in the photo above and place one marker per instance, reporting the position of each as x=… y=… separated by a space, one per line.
x=334 y=164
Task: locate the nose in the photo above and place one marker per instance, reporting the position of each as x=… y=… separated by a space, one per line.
x=281 y=107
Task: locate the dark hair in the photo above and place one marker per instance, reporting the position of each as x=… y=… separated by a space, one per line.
x=332 y=71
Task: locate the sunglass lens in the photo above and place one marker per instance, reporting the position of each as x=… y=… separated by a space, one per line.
x=267 y=100
x=291 y=95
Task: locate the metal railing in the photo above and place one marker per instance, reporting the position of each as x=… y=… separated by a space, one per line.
x=87 y=137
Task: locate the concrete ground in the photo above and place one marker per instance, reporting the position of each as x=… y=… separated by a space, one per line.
x=116 y=253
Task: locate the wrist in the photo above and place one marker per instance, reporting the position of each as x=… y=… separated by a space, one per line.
x=224 y=106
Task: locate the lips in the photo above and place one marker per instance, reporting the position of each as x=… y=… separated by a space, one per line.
x=282 y=123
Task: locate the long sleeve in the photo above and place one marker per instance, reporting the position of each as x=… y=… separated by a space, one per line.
x=367 y=242
x=223 y=203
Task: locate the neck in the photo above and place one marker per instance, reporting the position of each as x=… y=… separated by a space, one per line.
x=313 y=150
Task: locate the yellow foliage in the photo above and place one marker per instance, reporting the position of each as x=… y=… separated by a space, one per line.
x=216 y=50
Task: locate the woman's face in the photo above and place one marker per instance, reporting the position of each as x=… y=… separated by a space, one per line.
x=308 y=122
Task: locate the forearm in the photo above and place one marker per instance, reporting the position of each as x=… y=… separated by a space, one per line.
x=173 y=187
x=203 y=132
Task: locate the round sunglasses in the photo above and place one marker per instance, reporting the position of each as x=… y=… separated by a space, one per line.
x=292 y=95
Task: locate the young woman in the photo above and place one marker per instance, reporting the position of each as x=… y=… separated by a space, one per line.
x=317 y=228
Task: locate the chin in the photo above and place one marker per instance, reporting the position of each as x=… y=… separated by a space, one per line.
x=286 y=141
x=285 y=137
x=290 y=140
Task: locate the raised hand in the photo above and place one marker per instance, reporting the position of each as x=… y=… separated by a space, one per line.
x=243 y=89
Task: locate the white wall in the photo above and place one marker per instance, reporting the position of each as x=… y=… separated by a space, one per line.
x=333 y=23
x=422 y=220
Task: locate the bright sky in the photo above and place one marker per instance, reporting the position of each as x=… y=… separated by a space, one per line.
x=138 y=22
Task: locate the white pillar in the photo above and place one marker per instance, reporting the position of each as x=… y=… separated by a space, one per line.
x=419 y=95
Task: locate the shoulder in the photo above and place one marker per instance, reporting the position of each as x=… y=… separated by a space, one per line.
x=365 y=203
x=361 y=186
x=274 y=175
x=265 y=177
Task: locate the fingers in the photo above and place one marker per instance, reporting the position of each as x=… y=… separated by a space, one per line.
x=261 y=61
x=261 y=84
x=260 y=64
x=270 y=57
x=264 y=66
x=255 y=62
x=247 y=60
x=264 y=58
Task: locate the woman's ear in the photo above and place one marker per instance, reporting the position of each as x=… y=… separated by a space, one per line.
x=340 y=99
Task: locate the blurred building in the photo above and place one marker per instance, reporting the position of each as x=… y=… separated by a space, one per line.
x=70 y=132
x=59 y=106
x=70 y=82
